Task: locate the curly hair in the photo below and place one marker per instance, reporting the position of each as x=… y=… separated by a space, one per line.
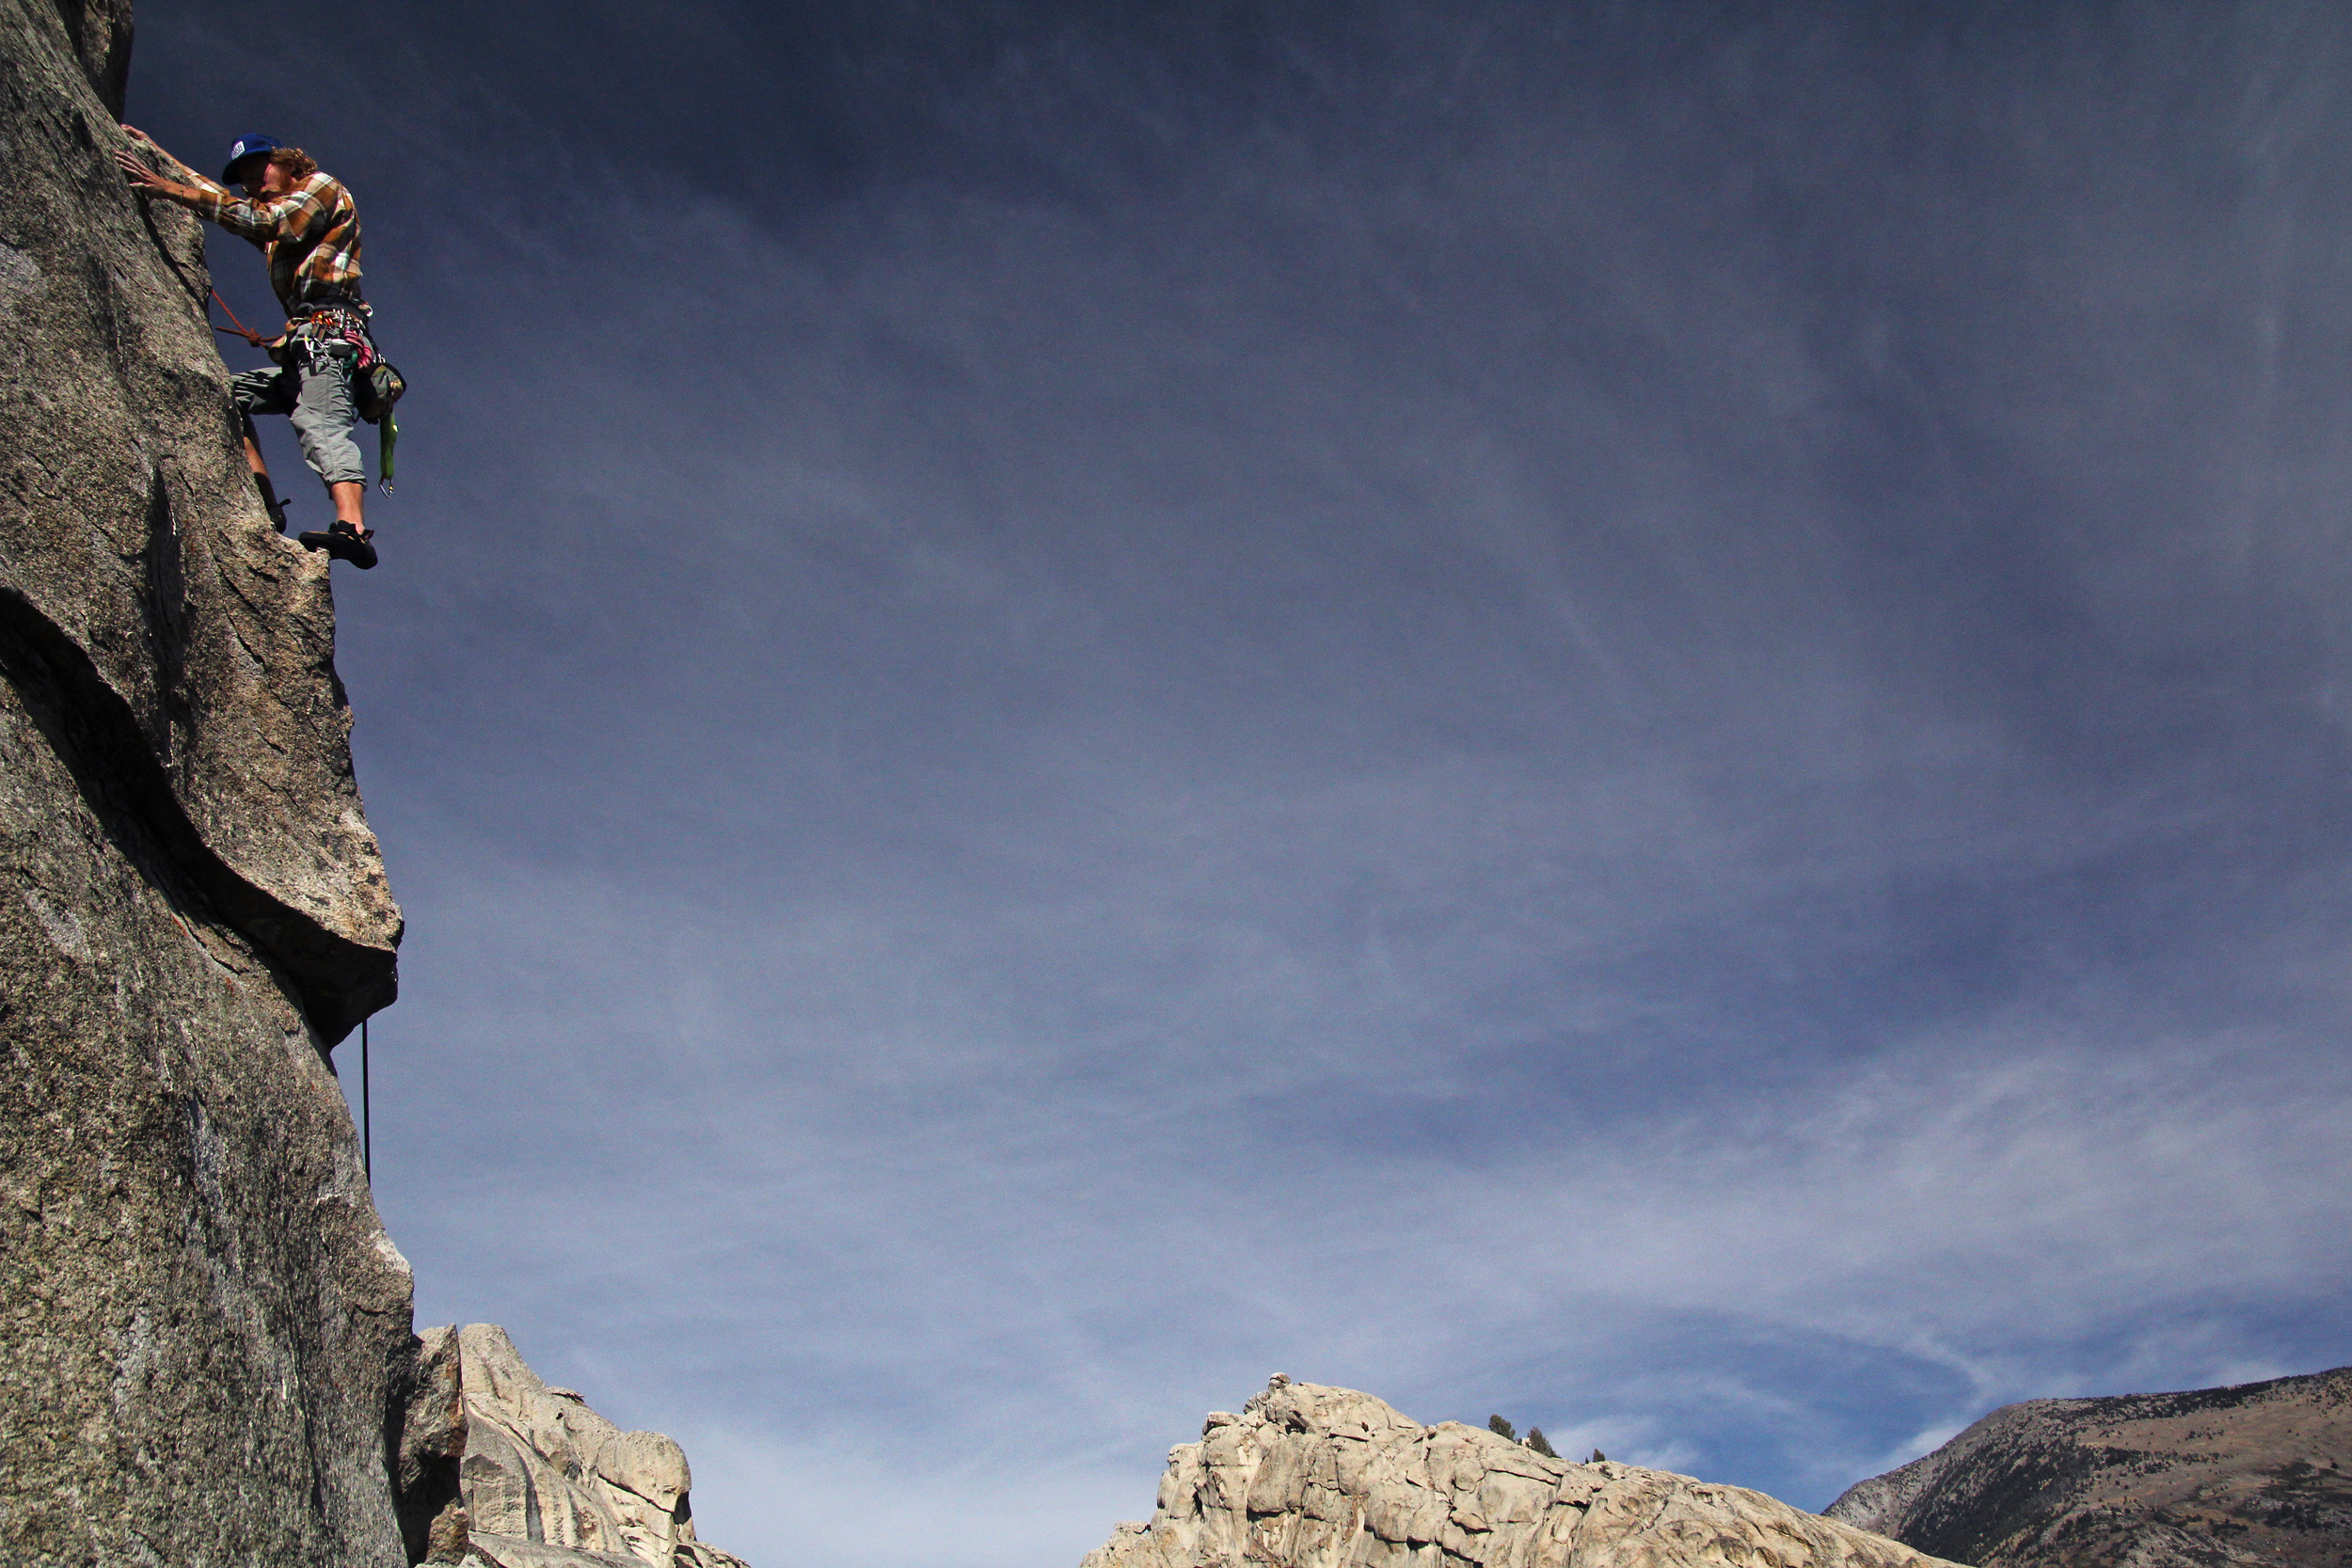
x=299 y=166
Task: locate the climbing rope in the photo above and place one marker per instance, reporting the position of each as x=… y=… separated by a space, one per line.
x=367 y=1158
x=240 y=330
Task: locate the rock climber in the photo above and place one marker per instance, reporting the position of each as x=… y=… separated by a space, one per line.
x=308 y=229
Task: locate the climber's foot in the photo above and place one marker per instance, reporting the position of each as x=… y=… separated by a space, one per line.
x=342 y=543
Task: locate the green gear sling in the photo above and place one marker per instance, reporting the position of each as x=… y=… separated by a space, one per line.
x=374 y=391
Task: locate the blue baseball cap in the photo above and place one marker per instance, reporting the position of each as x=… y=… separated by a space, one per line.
x=248 y=147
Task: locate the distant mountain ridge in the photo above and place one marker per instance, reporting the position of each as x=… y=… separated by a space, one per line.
x=2211 y=1477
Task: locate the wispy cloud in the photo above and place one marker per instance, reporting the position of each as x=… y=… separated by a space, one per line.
x=1633 y=717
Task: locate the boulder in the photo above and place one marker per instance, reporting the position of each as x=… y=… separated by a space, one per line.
x=1312 y=1477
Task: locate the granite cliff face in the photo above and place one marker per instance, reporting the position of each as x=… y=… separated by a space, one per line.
x=1310 y=1477
x=2209 y=1479
x=205 y=1354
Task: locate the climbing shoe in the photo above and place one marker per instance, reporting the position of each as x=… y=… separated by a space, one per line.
x=342 y=543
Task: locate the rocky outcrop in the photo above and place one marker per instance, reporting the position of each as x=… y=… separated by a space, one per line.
x=428 y=1443
x=2216 y=1476
x=1310 y=1477
x=205 y=1354
x=549 y=1483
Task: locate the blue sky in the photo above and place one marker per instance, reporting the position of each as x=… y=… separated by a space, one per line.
x=1630 y=714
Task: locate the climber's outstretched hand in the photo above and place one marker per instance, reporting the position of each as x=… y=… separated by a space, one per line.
x=142 y=177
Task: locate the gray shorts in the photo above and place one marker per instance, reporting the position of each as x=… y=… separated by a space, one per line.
x=314 y=391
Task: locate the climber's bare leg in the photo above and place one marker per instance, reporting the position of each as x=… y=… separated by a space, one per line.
x=348 y=497
x=270 y=502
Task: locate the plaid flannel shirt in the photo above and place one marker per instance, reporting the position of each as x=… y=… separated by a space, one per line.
x=310 y=236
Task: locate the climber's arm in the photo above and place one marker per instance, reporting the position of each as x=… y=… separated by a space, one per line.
x=257 y=221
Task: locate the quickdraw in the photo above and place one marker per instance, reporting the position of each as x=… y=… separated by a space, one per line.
x=338 y=326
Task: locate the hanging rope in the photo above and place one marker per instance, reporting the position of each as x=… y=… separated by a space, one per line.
x=367 y=1158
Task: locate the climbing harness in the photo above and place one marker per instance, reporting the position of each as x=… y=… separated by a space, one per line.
x=376 y=384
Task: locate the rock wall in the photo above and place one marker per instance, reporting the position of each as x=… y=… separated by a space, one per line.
x=100 y=33
x=194 y=644
x=549 y=1483
x=205 y=1354
x=1311 y=1477
x=2247 y=1475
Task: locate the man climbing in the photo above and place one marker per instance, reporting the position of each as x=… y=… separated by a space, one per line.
x=308 y=229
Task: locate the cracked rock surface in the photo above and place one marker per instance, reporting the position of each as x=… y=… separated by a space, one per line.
x=1312 y=1477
